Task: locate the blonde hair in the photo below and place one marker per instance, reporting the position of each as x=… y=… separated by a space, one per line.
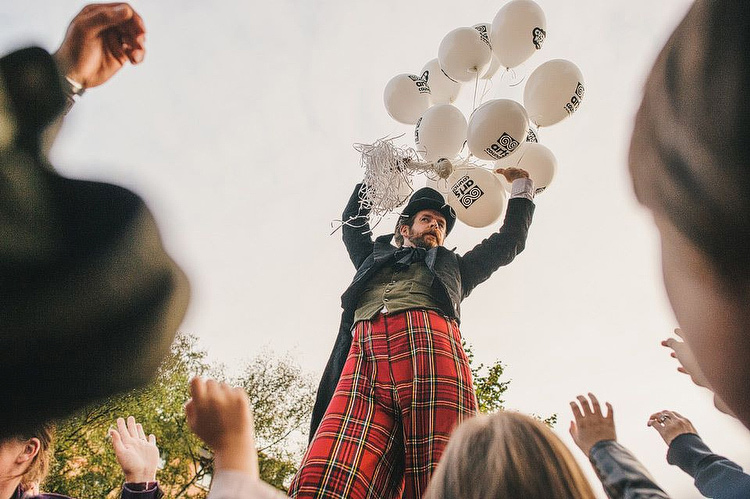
x=507 y=455
x=39 y=467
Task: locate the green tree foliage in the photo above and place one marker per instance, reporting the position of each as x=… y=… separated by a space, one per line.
x=490 y=387
x=282 y=397
x=85 y=465
x=487 y=384
x=280 y=393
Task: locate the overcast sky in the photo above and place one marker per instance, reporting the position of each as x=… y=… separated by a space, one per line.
x=238 y=129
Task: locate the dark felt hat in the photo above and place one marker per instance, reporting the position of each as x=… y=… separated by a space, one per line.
x=89 y=299
x=428 y=198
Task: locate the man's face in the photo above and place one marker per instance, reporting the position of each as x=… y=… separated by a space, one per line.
x=427 y=231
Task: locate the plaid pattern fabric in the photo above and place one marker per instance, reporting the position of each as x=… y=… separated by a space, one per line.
x=405 y=385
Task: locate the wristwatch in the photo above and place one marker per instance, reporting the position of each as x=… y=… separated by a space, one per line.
x=73 y=87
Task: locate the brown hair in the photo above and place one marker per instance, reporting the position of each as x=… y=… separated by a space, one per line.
x=401 y=222
x=690 y=151
x=507 y=455
x=39 y=467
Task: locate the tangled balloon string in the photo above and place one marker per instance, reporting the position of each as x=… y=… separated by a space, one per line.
x=387 y=180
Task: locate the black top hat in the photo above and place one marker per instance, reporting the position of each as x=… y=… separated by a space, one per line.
x=428 y=198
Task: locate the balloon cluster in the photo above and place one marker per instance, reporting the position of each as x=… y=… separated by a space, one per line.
x=501 y=131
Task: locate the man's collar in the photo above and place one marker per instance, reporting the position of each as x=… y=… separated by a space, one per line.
x=384 y=249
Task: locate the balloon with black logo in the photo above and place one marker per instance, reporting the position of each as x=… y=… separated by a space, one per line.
x=537 y=160
x=406 y=98
x=511 y=161
x=443 y=90
x=463 y=53
x=540 y=163
x=553 y=92
x=476 y=195
x=496 y=129
x=440 y=132
x=494 y=63
x=518 y=30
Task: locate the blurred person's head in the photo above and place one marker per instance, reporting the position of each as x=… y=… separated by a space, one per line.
x=507 y=455
x=25 y=459
x=690 y=164
x=87 y=291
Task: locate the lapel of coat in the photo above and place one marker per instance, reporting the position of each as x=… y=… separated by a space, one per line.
x=383 y=248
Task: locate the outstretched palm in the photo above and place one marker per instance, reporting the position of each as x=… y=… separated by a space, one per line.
x=137 y=454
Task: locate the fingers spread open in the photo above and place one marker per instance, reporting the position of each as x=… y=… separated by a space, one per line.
x=122 y=429
x=576 y=411
x=597 y=409
x=573 y=430
x=584 y=405
x=116 y=439
x=610 y=411
x=132 y=427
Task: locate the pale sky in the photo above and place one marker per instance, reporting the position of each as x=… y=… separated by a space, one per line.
x=238 y=129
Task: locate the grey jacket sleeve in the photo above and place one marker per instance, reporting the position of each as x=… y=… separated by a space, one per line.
x=478 y=264
x=621 y=474
x=715 y=476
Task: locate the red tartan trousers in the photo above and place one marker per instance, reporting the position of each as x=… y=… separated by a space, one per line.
x=405 y=385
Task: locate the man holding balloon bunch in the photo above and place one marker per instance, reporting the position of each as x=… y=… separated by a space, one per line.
x=398 y=380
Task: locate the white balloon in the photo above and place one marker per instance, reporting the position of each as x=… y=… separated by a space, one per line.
x=497 y=128
x=440 y=132
x=442 y=89
x=540 y=163
x=494 y=63
x=536 y=159
x=476 y=196
x=463 y=53
x=553 y=92
x=518 y=30
x=440 y=185
x=511 y=161
x=406 y=98
x=492 y=69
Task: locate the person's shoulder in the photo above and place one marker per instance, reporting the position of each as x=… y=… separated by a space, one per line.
x=447 y=255
x=385 y=239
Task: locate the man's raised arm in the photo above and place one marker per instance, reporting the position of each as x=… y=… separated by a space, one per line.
x=356 y=229
x=501 y=247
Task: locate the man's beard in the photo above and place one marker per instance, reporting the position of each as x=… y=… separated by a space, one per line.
x=422 y=241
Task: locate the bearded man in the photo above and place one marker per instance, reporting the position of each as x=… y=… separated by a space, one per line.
x=398 y=380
